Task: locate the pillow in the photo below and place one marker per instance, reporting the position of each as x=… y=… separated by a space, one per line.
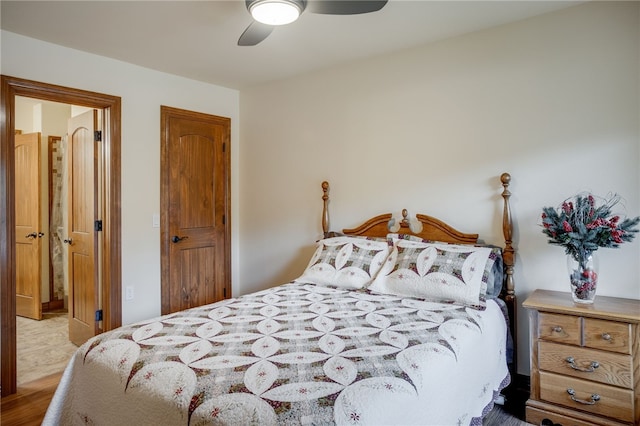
x=346 y=262
x=441 y=272
x=494 y=276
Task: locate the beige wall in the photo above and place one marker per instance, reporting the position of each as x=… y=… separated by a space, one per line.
x=553 y=100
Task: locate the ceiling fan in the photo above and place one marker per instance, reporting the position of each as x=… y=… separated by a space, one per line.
x=268 y=14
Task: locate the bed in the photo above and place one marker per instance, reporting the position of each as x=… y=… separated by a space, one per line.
x=392 y=322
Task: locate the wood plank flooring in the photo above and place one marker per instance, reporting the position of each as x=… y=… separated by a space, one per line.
x=28 y=406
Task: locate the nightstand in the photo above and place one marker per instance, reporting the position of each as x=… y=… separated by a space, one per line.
x=585 y=360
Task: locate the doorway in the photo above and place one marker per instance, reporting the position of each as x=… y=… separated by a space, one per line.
x=43 y=199
x=109 y=247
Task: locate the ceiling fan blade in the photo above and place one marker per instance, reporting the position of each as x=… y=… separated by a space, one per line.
x=254 y=34
x=344 y=7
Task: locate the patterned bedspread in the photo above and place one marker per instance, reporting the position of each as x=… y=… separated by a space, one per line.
x=296 y=354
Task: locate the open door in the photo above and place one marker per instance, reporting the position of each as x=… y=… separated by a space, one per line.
x=28 y=235
x=82 y=227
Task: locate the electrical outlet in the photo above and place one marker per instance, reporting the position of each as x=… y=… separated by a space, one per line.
x=129 y=294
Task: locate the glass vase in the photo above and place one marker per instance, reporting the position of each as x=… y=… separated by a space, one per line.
x=583 y=277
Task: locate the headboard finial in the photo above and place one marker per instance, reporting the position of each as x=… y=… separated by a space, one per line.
x=405 y=218
x=505 y=178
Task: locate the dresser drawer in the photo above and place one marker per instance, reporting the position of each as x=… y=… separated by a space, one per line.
x=610 y=401
x=536 y=416
x=600 y=366
x=607 y=335
x=559 y=328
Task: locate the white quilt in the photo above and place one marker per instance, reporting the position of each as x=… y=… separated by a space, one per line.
x=297 y=354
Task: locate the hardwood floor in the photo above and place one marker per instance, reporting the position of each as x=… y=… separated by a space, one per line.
x=28 y=406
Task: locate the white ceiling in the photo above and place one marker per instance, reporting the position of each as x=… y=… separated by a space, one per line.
x=198 y=39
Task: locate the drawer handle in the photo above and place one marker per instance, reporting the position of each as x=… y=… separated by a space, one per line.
x=557 y=329
x=594 y=398
x=592 y=367
x=606 y=336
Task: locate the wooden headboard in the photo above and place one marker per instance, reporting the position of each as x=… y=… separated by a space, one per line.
x=430 y=228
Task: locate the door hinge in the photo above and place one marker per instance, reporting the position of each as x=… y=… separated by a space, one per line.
x=97 y=225
x=224 y=219
x=224 y=147
x=99 y=315
x=224 y=292
x=97 y=136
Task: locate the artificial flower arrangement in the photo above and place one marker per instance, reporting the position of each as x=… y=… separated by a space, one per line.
x=581 y=227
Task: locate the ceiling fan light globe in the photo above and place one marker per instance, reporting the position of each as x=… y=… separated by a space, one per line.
x=275 y=12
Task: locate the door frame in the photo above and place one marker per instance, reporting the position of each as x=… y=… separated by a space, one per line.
x=111 y=272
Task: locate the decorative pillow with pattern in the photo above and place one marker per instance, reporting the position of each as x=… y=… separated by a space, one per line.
x=346 y=262
x=440 y=272
x=494 y=271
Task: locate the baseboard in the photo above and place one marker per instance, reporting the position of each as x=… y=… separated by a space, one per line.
x=52 y=305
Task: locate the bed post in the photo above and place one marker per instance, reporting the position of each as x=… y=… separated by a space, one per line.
x=325 y=209
x=507 y=229
x=508 y=257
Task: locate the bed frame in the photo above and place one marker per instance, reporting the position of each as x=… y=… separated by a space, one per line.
x=437 y=230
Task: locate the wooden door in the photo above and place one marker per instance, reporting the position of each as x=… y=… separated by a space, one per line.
x=194 y=209
x=28 y=237
x=81 y=234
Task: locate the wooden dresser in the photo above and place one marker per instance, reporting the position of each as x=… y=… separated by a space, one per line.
x=585 y=360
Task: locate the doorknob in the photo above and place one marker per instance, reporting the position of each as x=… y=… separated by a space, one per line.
x=40 y=234
x=67 y=241
x=176 y=239
x=31 y=235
